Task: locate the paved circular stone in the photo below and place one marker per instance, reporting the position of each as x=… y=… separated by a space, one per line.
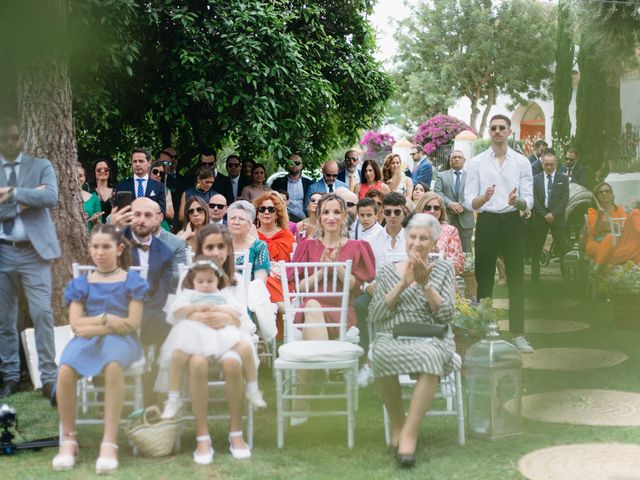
x=567 y=359
x=588 y=461
x=538 y=325
x=552 y=303
x=582 y=407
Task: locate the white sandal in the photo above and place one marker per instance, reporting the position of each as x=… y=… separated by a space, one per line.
x=206 y=458
x=239 y=453
x=106 y=466
x=66 y=461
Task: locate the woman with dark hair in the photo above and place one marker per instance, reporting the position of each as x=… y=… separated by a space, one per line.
x=393 y=175
x=102 y=180
x=105 y=311
x=272 y=224
x=419 y=189
x=202 y=189
x=370 y=179
x=90 y=201
x=196 y=215
x=599 y=242
x=258 y=184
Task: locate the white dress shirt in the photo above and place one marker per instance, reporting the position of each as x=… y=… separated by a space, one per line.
x=296 y=196
x=370 y=233
x=484 y=170
x=546 y=187
x=18 y=234
x=381 y=245
x=142 y=255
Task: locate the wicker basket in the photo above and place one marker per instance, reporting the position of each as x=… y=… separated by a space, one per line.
x=153 y=439
x=625 y=309
x=464 y=339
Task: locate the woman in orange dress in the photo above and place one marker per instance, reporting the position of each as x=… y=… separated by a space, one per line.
x=370 y=179
x=599 y=244
x=628 y=247
x=271 y=222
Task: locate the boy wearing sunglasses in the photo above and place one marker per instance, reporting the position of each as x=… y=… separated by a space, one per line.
x=499 y=186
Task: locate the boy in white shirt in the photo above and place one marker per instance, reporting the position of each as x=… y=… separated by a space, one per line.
x=368 y=216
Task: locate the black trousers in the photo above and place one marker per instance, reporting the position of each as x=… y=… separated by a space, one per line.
x=539 y=237
x=502 y=234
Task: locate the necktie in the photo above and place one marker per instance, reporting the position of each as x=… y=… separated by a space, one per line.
x=569 y=170
x=352 y=183
x=549 y=185
x=140 y=189
x=7 y=225
x=331 y=188
x=456 y=187
x=144 y=248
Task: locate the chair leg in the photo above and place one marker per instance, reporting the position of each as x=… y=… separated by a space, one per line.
x=387 y=426
x=349 y=381
x=250 y=424
x=279 y=408
x=460 y=409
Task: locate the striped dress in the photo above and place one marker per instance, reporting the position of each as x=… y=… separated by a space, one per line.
x=422 y=355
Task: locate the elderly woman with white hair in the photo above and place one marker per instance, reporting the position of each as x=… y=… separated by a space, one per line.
x=415 y=291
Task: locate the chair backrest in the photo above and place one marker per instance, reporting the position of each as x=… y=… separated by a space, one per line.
x=61 y=336
x=616 y=225
x=78 y=270
x=332 y=294
x=190 y=254
x=395 y=257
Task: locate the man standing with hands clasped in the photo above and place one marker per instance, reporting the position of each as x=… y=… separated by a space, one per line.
x=499 y=186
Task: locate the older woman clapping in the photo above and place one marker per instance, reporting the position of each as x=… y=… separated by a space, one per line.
x=413 y=291
x=240 y=217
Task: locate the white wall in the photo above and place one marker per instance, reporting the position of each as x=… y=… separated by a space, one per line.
x=630 y=98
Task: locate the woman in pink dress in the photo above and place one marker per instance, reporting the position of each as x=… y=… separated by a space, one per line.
x=370 y=179
x=333 y=245
x=449 y=240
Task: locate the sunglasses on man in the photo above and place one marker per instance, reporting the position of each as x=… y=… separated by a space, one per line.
x=218 y=206
x=395 y=211
x=494 y=128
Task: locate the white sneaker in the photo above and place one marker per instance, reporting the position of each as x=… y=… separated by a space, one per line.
x=256 y=399
x=521 y=344
x=171 y=408
x=365 y=376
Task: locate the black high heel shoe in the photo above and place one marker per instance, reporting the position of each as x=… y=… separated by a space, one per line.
x=406 y=460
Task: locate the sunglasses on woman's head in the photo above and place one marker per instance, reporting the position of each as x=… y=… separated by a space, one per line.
x=396 y=212
x=435 y=208
x=191 y=211
x=266 y=209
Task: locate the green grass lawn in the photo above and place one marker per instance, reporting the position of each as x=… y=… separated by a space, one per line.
x=318 y=448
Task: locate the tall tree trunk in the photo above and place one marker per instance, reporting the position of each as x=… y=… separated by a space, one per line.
x=591 y=103
x=474 y=111
x=46 y=118
x=562 y=87
x=491 y=101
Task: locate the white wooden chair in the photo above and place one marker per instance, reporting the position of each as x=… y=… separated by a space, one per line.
x=297 y=356
x=617 y=226
x=61 y=336
x=88 y=393
x=448 y=396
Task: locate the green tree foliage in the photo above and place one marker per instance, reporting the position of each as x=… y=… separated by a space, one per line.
x=270 y=76
x=474 y=49
x=562 y=85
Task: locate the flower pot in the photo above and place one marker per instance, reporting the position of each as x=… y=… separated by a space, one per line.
x=464 y=339
x=625 y=309
x=470 y=285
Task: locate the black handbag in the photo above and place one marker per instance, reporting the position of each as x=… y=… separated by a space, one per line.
x=422 y=330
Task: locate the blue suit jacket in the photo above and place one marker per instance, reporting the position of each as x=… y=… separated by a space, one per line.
x=319 y=186
x=154 y=191
x=33 y=173
x=154 y=328
x=424 y=172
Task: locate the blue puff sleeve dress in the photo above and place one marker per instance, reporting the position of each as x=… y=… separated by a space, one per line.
x=89 y=356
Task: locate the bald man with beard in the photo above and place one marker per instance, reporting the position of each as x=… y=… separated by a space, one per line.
x=328 y=183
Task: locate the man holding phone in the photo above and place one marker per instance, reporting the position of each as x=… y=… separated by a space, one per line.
x=140 y=185
x=499 y=186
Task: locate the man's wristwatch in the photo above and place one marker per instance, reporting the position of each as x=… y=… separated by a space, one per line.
x=103 y=319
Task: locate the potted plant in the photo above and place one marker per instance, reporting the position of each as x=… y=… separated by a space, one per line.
x=624 y=285
x=471 y=322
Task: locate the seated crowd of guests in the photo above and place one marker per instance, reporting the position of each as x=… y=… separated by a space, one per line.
x=211 y=317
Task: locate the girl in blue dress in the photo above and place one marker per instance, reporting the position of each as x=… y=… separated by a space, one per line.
x=105 y=311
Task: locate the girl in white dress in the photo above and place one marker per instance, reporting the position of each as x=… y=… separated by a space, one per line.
x=190 y=337
x=393 y=175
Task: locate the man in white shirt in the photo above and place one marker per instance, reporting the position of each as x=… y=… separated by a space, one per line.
x=390 y=240
x=499 y=186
